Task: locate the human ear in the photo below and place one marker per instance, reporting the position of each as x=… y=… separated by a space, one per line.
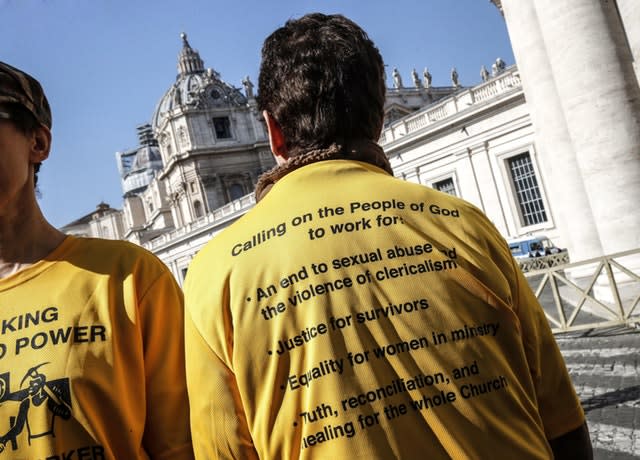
x=277 y=140
x=40 y=144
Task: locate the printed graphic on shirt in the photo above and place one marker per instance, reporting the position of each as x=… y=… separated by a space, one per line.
x=36 y=404
x=40 y=404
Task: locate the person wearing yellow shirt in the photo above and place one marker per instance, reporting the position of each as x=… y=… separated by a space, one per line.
x=91 y=336
x=351 y=314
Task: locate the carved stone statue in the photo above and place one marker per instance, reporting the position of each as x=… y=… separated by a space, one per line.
x=454 y=77
x=397 y=79
x=248 y=87
x=427 y=78
x=498 y=67
x=484 y=73
x=416 y=78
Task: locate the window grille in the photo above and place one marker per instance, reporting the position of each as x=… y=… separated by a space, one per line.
x=446 y=186
x=527 y=190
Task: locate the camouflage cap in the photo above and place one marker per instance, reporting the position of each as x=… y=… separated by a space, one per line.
x=21 y=88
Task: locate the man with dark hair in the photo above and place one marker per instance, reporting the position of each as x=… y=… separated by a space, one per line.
x=354 y=315
x=105 y=317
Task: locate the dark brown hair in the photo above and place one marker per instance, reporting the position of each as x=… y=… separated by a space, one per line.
x=322 y=79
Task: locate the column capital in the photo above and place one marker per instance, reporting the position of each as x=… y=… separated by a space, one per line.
x=498 y=4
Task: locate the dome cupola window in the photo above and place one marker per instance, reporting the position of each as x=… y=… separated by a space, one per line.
x=197 y=209
x=222 y=127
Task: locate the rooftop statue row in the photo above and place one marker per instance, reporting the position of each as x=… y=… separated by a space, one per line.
x=426 y=78
x=497 y=68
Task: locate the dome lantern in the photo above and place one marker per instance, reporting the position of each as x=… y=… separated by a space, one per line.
x=189 y=60
x=195 y=88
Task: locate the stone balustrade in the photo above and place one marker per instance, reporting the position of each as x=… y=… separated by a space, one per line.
x=505 y=82
x=221 y=215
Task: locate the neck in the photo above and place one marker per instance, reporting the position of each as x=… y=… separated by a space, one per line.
x=363 y=150
x=25 y=236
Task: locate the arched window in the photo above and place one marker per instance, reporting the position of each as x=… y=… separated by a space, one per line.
x=197 y=208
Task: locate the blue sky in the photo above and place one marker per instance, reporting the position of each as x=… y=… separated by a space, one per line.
x=105 y=64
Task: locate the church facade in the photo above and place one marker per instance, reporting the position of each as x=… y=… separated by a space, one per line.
x=563 y=163
x=204 y=148
x=196 y=164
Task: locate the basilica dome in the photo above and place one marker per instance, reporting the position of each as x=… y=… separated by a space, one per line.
x=195 y=88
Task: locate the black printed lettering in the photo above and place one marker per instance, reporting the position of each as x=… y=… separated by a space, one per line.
x=29 y=319
x=70 y=334
x=60 y=335
x=80 y=334
x=98 y=332
x=98 y=452
x=81 y=453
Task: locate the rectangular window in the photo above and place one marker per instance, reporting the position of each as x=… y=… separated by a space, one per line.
x=446 y=186
x=222 y=127
x=527 y=190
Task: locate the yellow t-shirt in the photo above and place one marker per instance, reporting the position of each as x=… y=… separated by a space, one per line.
x=354 y=315
x=92 y=357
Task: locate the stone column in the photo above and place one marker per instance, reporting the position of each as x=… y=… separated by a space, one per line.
x=570 y=205
x=630 y=16
x=600 y=99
